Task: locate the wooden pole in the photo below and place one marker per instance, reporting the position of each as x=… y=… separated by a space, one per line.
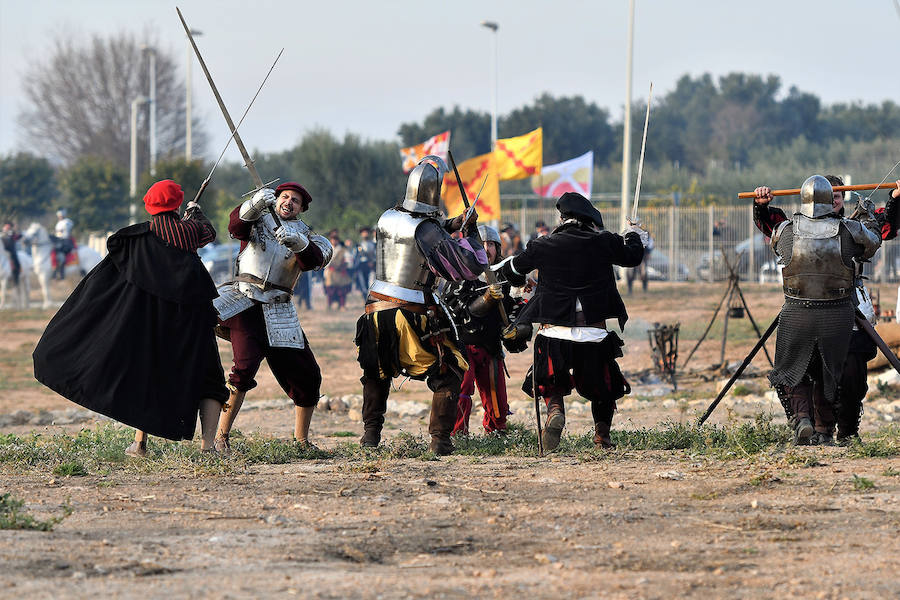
x=836 y=188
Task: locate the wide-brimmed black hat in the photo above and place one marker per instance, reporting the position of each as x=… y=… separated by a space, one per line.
x=573 y=204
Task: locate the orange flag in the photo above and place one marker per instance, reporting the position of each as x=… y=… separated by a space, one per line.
x=436 y=145
x=473 y=173
x=520 y=156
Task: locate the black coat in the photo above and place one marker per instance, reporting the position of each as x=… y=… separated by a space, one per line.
x=135 y=340
x=576 y=262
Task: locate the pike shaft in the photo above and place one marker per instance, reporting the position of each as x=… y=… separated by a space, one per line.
x=836 y=188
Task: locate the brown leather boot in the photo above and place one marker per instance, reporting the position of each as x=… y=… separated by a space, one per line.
x=226 y=420
x=601 y=436
x=443 y=418
x=556 y=420
x=375 y=395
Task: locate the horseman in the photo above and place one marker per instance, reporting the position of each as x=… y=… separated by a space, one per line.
x=64 y=243
x=256 y=311
x=404 y=330
x=9 y=237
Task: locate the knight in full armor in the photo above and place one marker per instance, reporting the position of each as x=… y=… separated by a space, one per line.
x=852 y=387
x=474 y=306
x=820 y=252
x=63 y=243
x=405 y=329
x=256 y=311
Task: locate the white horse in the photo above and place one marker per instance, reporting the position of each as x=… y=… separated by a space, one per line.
x=41 y=248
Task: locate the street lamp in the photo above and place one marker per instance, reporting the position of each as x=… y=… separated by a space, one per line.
x=493 y=26
x=188 y=140
x=135 y=105
x=152 y=100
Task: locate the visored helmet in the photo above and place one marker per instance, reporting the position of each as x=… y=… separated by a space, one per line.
x=816 y=197
x=488 y=234
x=423 y=188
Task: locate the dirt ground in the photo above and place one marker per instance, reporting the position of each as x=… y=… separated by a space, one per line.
x=627 y=524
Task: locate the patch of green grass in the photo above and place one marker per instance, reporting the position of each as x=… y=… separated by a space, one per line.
x=861 y=484
x=343 y=434
x=802 y=459
x=70 y=469
x=741 y=390
x=13 y=516
x=890 y=472
x=883 y=444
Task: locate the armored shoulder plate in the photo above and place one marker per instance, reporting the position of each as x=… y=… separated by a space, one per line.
x=865 y=237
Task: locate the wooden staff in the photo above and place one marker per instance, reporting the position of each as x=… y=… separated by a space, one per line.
x=836 y=188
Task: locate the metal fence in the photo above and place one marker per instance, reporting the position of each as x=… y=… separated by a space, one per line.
x=696 y=243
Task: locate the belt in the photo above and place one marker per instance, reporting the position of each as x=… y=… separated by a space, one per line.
x=385 y=302
x=266 y=286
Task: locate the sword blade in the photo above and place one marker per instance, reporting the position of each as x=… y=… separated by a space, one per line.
x=637 y=187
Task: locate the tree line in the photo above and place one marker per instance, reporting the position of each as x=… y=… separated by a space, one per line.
x=709 y=138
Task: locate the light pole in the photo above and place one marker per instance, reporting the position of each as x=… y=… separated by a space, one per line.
x=188 y=140
x=152 y=100
x=493 y=26
x=626 y=128
x=135 y=104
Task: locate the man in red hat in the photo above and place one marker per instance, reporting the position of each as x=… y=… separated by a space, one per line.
x=135 y=340
x=256 y=311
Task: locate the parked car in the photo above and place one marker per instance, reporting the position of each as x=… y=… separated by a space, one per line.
x=658 y=268
x=219 y=260
x=762 y=254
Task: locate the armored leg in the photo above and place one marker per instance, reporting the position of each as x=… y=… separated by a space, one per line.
x=375 y=395
x=229 y=413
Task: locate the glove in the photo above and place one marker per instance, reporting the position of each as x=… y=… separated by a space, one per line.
x=495 y=290
x=295 y=242
x=192 y=205
x=253 y=208
x=636 y=228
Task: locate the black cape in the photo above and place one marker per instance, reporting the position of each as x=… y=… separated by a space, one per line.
x=135 y=340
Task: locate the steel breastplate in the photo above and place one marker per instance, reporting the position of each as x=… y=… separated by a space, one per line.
x=269 y=268
x=401 y=269
x=816 y=270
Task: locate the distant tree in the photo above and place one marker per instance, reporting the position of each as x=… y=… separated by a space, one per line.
x=470 y=131
x=27 y=186
x=95 y=191
x=79 y=99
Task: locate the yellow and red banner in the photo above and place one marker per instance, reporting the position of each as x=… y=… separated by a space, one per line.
x=521 y=156
x=437 y=145
x=473 y=173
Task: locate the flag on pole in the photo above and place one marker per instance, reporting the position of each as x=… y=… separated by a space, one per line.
x=473 y=173
x=437 y=145
x=521 y=156
x=573 y=175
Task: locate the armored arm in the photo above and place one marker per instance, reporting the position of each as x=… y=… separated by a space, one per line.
x=252 y=209
x=483 y=304
x=866 y=234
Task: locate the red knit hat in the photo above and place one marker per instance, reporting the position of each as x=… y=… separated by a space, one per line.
x=163 y=196
x=293 y=185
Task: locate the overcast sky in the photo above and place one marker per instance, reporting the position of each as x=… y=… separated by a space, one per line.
x=366 y=67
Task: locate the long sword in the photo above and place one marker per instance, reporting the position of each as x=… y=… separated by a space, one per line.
x=637 y=187
x=233 y=133
x=248 y=162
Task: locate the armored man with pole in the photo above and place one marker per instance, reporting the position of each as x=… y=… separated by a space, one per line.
x=820 y=252
x=406 y=330
x=256 y=310
x=575 y=297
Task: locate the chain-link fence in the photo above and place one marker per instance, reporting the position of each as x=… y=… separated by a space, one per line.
x=694 y=243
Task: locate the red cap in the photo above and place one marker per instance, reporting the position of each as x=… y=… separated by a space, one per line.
x=163 y=196
x=293 y=185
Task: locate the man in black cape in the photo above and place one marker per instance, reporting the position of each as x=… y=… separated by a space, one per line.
x=135 y=341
